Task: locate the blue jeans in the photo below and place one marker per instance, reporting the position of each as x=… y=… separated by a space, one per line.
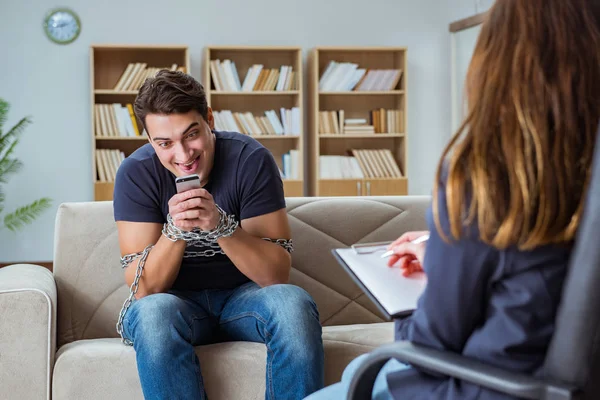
x=165 y=327
x=339 y=391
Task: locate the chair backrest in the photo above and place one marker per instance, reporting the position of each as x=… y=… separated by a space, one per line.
x=574 y=353
x=90 y=283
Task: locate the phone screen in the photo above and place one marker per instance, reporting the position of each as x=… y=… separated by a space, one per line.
x=185 y=183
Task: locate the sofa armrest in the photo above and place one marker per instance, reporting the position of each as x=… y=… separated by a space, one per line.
x=457 y=366
x=27 y=330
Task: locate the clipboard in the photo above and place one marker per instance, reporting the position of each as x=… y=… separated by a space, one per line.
x=394 y=295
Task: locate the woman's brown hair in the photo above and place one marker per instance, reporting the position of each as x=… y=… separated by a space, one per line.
x=520 y=164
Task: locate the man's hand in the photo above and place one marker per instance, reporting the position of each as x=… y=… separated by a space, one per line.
x=194 y=208
x=408 y=256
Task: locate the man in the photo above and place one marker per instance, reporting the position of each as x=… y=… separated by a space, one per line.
x=209 y=264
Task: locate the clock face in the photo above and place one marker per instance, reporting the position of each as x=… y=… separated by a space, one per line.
x=62 y=26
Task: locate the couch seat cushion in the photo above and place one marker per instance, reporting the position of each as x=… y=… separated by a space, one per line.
x=106 y=369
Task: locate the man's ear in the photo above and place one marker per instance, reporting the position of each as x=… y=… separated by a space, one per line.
x=210 y=118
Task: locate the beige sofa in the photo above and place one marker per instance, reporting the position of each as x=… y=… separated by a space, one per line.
x=57 y=330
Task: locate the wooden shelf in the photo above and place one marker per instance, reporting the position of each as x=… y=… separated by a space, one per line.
x=275 y=137
x=346 y=136
x=144 y=138
x=116 y=92
x=107 y=65
x=363 y=93
x=363 y=187
x=359 y=104
x=244 y=57
x=256 y=93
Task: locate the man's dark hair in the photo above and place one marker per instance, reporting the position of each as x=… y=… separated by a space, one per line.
x=170 y=92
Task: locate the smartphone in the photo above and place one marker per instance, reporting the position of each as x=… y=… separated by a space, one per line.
x=185 y=183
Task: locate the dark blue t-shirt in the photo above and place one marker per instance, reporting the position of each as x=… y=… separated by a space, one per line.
x=244 y=181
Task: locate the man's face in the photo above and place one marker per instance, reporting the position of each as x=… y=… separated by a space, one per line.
x=184 y=143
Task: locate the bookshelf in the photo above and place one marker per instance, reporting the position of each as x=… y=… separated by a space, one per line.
x=358 y=121
x=116 y=73
x=258 y=91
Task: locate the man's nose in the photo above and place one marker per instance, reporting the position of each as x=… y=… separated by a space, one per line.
x=182 y=152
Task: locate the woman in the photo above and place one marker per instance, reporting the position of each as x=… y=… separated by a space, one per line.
x=507 y=200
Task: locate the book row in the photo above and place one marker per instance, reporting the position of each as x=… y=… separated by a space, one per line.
x=136 y=73
x=114 y=119
x=379 y=121
x=107 y=164
x=362 y=163
x=225 y=77
x=346 y=76
x=267 y=124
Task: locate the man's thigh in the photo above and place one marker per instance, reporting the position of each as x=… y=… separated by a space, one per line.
x=251 y=311
x=154 y=313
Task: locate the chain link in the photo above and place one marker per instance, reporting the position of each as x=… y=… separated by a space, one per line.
x=225 y=228
x=287 y=244
x=125 y=261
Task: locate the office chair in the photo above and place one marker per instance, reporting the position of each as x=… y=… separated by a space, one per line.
x=571 y=369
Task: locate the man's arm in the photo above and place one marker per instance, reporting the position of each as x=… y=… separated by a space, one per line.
x=163 y=262
x=261 y=261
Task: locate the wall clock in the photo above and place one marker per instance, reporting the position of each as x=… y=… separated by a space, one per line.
x=62 y=25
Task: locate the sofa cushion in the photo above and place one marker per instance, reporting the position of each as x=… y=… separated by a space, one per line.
x=106 y=369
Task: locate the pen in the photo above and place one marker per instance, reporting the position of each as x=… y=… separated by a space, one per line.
x=418 y=240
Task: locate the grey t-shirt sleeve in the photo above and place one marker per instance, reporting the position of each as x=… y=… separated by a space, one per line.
x=260 y=185
x=136 y=194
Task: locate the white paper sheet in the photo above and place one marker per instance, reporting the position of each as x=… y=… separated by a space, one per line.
x=395 y=292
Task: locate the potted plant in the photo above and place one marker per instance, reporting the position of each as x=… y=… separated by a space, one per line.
x=10 y=165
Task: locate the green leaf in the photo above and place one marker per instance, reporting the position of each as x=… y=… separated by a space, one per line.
x=4 y=155
x=3 y=113
x=1 y=200
x=8 y=167
x=26 y=214
x=14 y=133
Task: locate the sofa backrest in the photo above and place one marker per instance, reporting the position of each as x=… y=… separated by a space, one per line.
x=91 y=286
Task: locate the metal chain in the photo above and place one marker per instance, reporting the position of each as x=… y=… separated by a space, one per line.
x=225 y=228
x=287 y=244
x=125 y=261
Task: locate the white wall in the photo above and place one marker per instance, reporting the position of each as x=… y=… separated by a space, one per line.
x=459 y=9
x=462 y=46
x=51 y=82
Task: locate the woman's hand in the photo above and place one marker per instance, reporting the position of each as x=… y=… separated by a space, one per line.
x=408 y=256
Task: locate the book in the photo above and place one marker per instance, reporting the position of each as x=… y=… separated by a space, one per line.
x=394 y=295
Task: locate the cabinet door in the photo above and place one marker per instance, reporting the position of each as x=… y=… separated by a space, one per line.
x=340 y=187
x=385 y=187
x=293 y=188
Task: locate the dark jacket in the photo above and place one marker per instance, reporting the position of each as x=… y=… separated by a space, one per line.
x=497 y=306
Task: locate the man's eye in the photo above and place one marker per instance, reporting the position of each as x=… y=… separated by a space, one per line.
x=192 y=135
x=164 y=145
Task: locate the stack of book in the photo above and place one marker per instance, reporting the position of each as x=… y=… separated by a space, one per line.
x=357 y=126
x=269 y=124
x=258 y=78
x=115 y=120
x=136 y=73
x=346 y=76
x=377 y=163
x=381 y=121
x=387 y=121
x=107 y=164
x=291 y=165
x=364 y=163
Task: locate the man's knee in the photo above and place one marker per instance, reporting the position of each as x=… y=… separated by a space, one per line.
x=149 y=315
x=294 y=313
x=290 y=301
